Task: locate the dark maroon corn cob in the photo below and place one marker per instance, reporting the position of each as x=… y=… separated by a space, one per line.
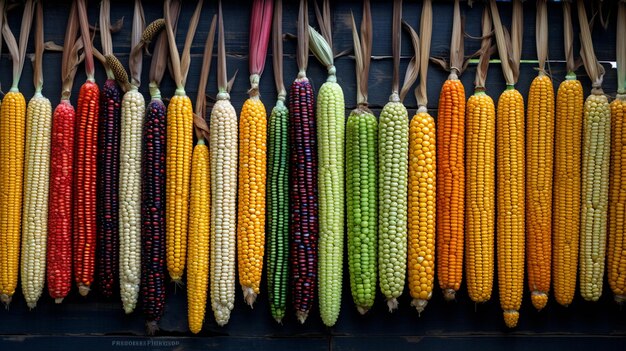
x=107 y=203
x=153 y=214
x=303 y=228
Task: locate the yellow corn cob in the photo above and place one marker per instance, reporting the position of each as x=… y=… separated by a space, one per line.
x=223 y=207
x=35 y=210
x=566 y=198
x=510 y=213
x=252 y=176
x=12 y=127
x=199 y=233
x=480 y=200
x=178 y=166
x=616 y=257
x=539 y=155
x=133 y=111
x=422 y=207
x=595 y=188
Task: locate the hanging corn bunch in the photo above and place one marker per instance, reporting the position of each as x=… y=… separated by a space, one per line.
x=59 y=255
x=179 y=149
x=422 y=174
x=12 y=128
x=596 y=162
x=36 y=179
x=362 y=176
x=480 y=195
x=107 y=200
x=200 y=202
x=616 y=259
x=277 y=184
x=84 y=225
x=153 y=272
x=510 y=161
x=539 y=154
x=223 y=147
x=132 y=116
x=303 y=227
x=331 y=123
x=451 y=167
x=393 y=151
x=252 y=160
x=567 y=173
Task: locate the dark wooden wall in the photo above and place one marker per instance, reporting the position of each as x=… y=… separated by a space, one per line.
x=97 y=324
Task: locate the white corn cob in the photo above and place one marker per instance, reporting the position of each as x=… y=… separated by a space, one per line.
x=223 y=207
x=36 y=179
x=133 y=111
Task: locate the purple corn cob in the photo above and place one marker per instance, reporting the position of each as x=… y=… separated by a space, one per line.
x=153 y=215
x=107 y=187
x=303 y=229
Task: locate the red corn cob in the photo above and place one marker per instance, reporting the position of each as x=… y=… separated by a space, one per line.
x=153 y=214
x=107 y=185
x=59 y=256
x=303 y=229
x=85 y=186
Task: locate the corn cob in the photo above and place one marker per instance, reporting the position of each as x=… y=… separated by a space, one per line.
x=277 y=182
x=539 y=151
x=393 y=149
x=616 y=259
x=510 y=172
x=200 y=203
x=252 y=160
x=107 y=201
x=84 y=230
x=12 y=128
x=36 y=180
x=107 y=187
x=595 y=168
x=178 y=157
x=223 y=192
x=480 y=200
x=59 y=255
x=199 y=232
x=451 y=170
x=422 y=176
x=303 y=228
x=330 y=119
x=153 y=258
x=362 y=177
x=567 y=176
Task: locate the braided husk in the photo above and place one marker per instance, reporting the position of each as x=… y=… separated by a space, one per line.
x=201 y=127
x=135 y=60
x=413 y=69
x=485 y=52
x=277 y=50
x=594 y=69
x=18 y=51
x=426 y=28
x=362 y=54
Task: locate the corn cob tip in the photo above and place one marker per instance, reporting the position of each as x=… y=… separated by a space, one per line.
x=419 y=305
x=362 y=309
x=392 y=303
x=83 y=289
x=539 y=299
x=249 y=295
x=6 y=300
x=129 y=309
x=279 y=320
x=449 y=295
x=58 y=301
x=31 y=305
x=302 y=316
x=152 y=327
x=620 y=299
x=510 y=318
